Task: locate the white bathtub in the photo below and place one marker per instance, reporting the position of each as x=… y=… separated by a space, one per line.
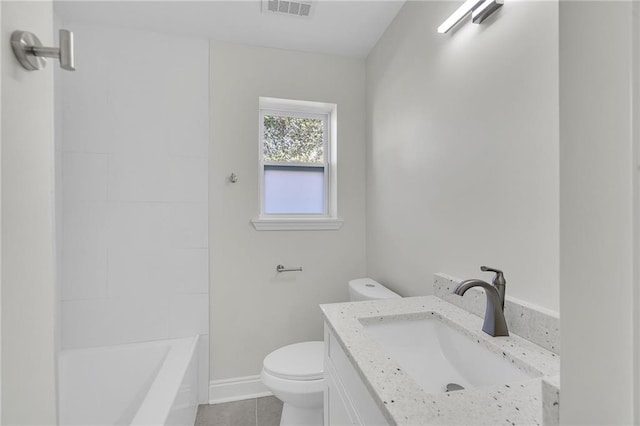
x=152 y=383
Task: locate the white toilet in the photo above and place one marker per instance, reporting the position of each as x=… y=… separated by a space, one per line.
x=294 y=373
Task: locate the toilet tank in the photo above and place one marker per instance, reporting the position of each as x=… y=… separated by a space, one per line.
x=368 y=289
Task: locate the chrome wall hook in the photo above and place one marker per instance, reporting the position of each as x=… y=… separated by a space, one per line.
x=31 y=54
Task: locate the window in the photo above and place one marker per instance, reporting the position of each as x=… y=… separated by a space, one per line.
x=297 y=165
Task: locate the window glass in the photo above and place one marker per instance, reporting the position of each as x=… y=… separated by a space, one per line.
x=297 y=190
x=293 y=139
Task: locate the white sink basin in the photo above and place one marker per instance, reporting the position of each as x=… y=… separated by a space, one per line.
x=435 y=355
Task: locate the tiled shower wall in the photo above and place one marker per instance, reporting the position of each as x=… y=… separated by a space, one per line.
x=134 y=152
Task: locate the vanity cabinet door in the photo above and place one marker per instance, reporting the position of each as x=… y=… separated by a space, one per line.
x=336 y=408
x=345 y=390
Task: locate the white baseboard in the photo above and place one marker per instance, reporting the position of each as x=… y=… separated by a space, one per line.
x=236 y=389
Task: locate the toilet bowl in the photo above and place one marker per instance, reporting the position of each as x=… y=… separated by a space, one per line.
x=294 y=373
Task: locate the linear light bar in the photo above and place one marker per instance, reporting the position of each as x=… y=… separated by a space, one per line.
x=485 y=10
x=457 y=16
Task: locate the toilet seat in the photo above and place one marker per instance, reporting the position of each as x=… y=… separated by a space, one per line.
x=300 y=361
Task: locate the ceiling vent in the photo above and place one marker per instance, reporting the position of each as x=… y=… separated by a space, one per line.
x=287 y=7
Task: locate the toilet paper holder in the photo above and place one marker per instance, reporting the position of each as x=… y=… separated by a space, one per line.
x=281 y=268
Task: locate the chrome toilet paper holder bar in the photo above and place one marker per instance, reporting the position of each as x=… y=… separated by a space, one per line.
x=281 y=268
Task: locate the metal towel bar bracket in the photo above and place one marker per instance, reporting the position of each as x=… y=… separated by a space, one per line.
x=31 y=54
x=281 y=268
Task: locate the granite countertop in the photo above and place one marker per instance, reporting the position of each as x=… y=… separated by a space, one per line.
x=403 y=402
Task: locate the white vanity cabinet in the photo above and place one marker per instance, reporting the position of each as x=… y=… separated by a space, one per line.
x=346 y=399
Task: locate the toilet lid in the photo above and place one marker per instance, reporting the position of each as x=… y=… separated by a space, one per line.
x=300 y=361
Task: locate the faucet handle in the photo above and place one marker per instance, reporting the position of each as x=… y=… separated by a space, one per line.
x=498 y=280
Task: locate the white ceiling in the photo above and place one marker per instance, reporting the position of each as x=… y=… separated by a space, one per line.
x=342 y=27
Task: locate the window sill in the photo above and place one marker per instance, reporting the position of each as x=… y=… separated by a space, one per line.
x=297 y=224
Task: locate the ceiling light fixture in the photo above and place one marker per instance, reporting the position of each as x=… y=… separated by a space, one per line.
x=480 y=9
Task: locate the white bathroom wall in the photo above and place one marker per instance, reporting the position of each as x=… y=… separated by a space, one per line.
x=57 y=203
x=134 y=188
x=598 y=169
x=635 y=27
x=462 y=154
x=254 y=310
x=28 y=286
x=0 y=229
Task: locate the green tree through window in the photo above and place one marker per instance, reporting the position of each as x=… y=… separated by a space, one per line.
x=293 y=139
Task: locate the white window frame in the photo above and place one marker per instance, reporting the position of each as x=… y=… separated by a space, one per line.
x=328 y=220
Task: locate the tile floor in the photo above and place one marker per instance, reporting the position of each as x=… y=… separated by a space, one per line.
x=250 y=412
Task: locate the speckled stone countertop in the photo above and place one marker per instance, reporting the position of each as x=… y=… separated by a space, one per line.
x=403 y=402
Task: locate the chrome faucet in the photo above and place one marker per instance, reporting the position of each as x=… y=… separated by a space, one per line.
x=494 y=322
